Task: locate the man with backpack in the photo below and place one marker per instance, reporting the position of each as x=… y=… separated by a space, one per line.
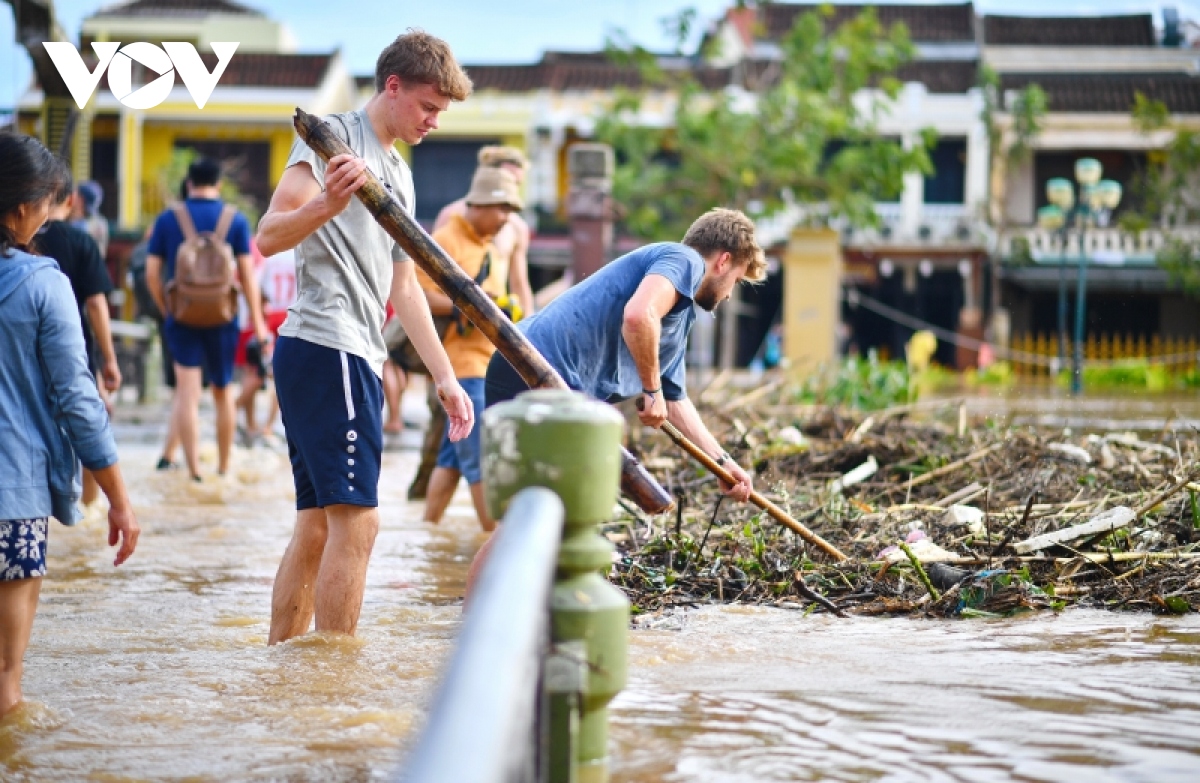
x=197 y=251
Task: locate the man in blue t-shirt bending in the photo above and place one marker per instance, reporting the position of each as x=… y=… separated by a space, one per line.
x=212 y=348
x=623 y=332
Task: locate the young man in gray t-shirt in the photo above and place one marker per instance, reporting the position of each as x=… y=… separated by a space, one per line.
x=330 y=353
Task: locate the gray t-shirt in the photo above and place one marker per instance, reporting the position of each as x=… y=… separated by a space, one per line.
x=579 y=333
x=344 y=269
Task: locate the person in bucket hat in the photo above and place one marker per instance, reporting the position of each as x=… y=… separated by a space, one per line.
x=467 y=238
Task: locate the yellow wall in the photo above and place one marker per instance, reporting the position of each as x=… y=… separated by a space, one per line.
x=158 y=143
x=811 y=298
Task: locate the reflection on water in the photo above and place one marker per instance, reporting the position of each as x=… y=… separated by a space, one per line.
x=757 y=694
x=160 y=670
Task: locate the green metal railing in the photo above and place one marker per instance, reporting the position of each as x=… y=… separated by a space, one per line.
x=544 y=642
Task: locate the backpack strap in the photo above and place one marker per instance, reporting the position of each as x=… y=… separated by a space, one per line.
x=184 y=219
x=224 y=222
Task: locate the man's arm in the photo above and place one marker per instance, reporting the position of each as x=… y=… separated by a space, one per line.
x=518 y=265
x=408 y=300
x=641 y=327
x=299 y=206
x=154 y=267
x=683 y=415
x=253 y=295
x=97 y=313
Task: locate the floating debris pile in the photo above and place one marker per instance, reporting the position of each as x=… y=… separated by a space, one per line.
x=939 y=514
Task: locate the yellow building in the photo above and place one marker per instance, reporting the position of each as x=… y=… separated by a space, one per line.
x=246 y=122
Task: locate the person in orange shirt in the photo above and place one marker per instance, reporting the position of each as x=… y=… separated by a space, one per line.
x=467 y=238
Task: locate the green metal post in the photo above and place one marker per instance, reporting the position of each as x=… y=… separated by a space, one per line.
x=571 y=445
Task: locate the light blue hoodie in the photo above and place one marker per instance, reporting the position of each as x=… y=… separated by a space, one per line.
x=50 y=410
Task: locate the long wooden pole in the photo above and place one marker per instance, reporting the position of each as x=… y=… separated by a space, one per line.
x=466 y=294
x=781 y=516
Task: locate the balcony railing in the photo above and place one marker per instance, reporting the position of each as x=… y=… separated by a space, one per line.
x=1102 y=245
x=935 y=224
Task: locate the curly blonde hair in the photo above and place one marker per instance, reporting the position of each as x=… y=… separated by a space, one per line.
x=720 y=230
x=420 y=58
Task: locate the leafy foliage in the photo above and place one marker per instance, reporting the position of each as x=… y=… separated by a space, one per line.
x=1025 y=112
x=798 y=132
x=1168 y=191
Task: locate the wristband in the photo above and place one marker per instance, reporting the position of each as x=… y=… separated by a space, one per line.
x=721 y=460
x=652 y=392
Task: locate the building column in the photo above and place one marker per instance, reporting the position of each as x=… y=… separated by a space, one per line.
x=912 y=199
x=129 y=167
x=544 y=159
x=977 y=169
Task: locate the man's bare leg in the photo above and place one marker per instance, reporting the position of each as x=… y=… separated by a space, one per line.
x=223 y=401
x=185 y=414
x=292 y=597
x=442 y=483
x=394 y=383
x=18 y=605
x=343 y=574
x=485 y=521
x=251 y=383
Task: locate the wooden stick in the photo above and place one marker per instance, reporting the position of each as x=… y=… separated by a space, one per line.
x=1183 y=482
x=953 y=466
x=773 y=510
x=466 y=294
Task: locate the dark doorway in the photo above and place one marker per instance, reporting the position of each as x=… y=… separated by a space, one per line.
x=104 y=173
x=948 y=185
x=442 y=172
x=245 y=164
x=1108 y=313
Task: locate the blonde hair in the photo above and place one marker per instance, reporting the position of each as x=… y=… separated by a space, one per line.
x=420 y=58
x=494 y=157
x=728 y=230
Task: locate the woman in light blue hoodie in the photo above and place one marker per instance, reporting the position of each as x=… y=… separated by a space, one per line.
x=51 y=416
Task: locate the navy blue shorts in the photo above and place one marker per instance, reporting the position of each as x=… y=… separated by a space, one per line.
x=464 y=456
x=213 y=349
x=332 y=407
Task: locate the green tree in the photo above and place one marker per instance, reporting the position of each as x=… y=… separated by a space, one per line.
x=1025 y=113
x=799 y=133
x=1167 y=192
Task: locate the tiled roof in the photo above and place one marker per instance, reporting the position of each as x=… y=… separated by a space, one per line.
x=165 y=8
x=1130 y=30
x=1111 y=93
x=256 y=69
x=559 y=71
x=926 y=23
x=252 y=69
x=941 y=76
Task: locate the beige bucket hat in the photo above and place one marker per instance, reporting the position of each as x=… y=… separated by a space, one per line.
x=494 y=186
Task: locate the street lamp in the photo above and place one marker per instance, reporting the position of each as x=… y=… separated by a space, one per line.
x=1097 y=199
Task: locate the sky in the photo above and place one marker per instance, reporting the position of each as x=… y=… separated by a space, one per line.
x=495 y=31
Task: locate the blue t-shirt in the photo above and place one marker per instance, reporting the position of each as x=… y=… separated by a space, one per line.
x=579 y=333
x=167 y=236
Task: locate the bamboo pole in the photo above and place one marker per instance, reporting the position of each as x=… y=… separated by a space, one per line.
x=466 y=294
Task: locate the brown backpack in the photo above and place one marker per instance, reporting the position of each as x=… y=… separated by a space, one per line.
x=203 y=292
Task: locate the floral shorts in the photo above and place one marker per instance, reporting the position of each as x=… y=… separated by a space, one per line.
x=22 y=548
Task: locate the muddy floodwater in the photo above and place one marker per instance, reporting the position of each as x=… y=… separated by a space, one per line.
x=159 y=670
